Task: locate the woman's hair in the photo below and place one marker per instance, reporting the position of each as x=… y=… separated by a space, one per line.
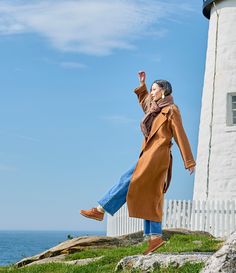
x=165 y=85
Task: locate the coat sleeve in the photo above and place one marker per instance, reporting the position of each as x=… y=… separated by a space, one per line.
x=142 y=93
x=181 y=138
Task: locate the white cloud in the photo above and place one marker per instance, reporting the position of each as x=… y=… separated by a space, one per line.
x=72 y=65
x=94 y=27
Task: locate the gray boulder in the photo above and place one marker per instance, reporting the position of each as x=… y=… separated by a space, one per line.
x=152 y=261
x=224 y=260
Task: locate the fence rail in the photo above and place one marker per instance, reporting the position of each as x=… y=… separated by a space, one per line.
x=214 y=216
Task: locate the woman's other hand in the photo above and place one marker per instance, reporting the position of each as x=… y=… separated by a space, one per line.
x=142 y=77
x=191 y=169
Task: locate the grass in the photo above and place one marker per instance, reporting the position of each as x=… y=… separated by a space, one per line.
x=177 y=243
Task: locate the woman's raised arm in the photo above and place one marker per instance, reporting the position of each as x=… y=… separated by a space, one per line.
x=141 y=91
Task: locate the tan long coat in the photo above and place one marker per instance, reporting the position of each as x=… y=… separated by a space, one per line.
x=145 y=193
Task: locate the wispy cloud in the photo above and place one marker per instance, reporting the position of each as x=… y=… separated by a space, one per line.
x=65 y=64
x=118 y=119
x=7 y=168
x=24 y=137
x=94 y=27
x=27 y=138
x=73 y=65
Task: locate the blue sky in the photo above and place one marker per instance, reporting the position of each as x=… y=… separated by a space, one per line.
x=70 y=121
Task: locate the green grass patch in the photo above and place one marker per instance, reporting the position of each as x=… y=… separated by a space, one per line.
x=190 y=243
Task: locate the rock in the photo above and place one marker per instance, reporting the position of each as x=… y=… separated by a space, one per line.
x=83 y=261
x=150 y=262
x=61 y=259
x=58 y=258
x=224 y=260
x=167 y=233
x=197 y=242
x=79 y=243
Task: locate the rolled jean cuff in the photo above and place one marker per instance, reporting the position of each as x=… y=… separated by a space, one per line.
x=149 y=234
x=106 y=207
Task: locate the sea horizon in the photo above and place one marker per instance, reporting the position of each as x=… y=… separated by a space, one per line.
x=18 y=244
x=52 y=230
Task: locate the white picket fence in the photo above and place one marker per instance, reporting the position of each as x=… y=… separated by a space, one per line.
x=216 y=217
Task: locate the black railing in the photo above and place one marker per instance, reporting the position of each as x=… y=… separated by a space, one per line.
x=206 y=8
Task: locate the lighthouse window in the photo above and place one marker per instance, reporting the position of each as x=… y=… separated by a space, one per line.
x=234 y=109
x=231 y=108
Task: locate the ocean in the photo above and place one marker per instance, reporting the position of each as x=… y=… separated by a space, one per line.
x=16 y=245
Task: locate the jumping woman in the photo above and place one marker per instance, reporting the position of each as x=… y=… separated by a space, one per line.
x=144 y=184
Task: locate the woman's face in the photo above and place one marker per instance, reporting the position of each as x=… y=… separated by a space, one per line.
x=156 y=91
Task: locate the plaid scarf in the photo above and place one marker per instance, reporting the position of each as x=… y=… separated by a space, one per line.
x=154 y=110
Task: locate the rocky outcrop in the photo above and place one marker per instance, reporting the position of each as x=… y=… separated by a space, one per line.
x=61 y=259
x=150 y=262
x=79 y=243
x=224 y=260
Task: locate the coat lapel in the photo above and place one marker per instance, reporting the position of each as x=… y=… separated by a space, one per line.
x=158 y=121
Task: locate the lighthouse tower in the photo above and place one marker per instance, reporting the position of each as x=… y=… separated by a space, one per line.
x=215 y=176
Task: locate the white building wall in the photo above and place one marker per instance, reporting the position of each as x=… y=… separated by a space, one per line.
x=222 y=165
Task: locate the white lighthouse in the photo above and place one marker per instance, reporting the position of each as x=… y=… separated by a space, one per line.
x=215 y=177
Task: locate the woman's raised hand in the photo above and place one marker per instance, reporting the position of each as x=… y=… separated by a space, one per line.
x=191 y=170
x=142 y=77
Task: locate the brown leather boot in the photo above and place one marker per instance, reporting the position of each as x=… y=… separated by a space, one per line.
x=153 y=244
x=93 y=213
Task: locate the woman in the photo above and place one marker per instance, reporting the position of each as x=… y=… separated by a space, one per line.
x=144 y=184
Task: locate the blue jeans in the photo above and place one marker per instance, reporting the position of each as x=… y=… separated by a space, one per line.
x=115 y=198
